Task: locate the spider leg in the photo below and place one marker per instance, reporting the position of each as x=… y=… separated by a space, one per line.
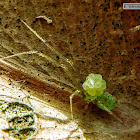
x=71 y=96
x=68 y=61
x=66 y=69
x=110 y=112
x=18 y=54
x=51 y=75
x=48 y=45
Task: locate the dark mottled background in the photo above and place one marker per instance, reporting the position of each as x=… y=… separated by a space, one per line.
x=98 y=36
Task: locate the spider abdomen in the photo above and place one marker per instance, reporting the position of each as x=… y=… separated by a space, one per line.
x=106 y=101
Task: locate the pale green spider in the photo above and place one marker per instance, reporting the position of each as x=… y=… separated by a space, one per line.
x=92 y=89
